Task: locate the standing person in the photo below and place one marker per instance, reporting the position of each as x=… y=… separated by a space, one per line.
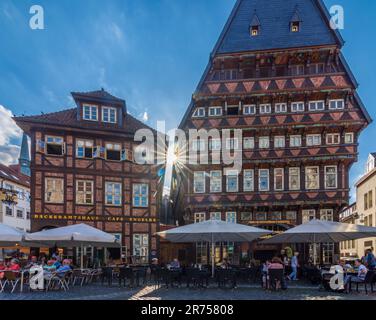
x=264 y=272
x=294 y=267
x=370 y=260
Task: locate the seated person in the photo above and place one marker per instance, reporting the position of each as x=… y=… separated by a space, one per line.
x=14 y=266
x=175 y=264
x=57 y=263
x=224 y=264
x=362 y=272
x=2 y=268
x=345 y=266
x=64 y=268
x=49 y=267
x=42 y=261
x=32 y=263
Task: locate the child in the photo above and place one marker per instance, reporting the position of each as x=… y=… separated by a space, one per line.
x=265 y=268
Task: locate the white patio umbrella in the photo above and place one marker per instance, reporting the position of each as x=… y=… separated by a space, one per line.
x=10 y=237
x=74 y=236
x=213 y=231
x=317 y=231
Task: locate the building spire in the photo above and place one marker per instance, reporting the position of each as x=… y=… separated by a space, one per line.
x=24 y=159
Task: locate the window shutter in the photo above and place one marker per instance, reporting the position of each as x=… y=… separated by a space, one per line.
x=40 y=146
x=123 y=155
x=96 y=152
x=102 y=152
x=127 y=155
x=99 y=152
x=64 y=148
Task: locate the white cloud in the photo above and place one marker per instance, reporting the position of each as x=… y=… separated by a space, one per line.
x=8 y=128
x=9 y=154
x=8 y=131
x=145 y=117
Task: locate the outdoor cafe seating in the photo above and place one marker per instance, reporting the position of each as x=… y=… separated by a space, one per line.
x=10 y=279
x=368 y=281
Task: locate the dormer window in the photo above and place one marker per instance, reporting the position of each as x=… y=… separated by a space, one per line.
x=109 y=115
x=254 y=31
x=295 y=21
x=90 y=112
x=255 y=25
x=295 y=26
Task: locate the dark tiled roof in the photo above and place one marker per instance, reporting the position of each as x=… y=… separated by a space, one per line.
x=373 y=154
x=275 y=17
x=68 y=118
x=98 y=94
x=13 y=173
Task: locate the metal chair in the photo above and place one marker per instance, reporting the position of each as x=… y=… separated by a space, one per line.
x=367 y=281
x=59 y=282
x=79 y=275
x=225 y=276
x=2 y=284
x=94 y=275
x=124 y=274
x=11 y=279
x=107 y=274
x=156 y=276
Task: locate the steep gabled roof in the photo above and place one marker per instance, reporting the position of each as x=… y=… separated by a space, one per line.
x=98 y=95
x=12 y=173
x=68 y=118
x=275 y=17
x=315 y=31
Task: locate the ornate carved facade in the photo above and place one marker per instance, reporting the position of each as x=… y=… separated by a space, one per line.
x=278 y=75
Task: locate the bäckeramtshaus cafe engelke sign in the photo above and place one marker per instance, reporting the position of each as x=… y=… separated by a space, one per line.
x=93 y=218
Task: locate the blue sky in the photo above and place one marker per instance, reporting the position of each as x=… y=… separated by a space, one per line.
x=150 y=52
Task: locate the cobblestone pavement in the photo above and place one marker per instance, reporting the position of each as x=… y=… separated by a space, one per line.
x=98 y=292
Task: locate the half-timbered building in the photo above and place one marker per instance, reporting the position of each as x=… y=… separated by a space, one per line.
x=277 y=73
x=83 y=171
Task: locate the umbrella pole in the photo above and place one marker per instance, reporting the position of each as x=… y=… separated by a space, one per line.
x=213 y=256
x=314 y=251
x=82 y=256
